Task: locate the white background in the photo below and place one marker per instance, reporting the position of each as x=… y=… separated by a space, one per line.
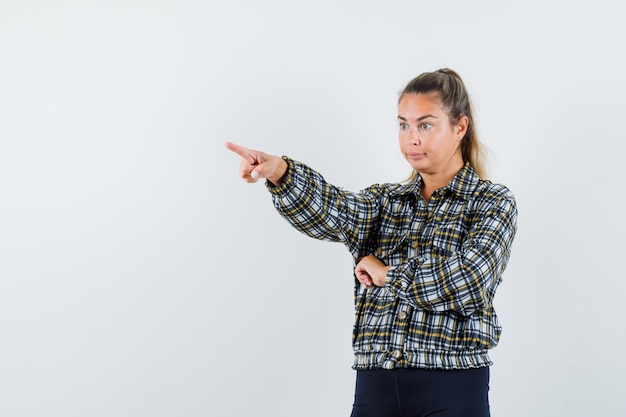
x=139 y=276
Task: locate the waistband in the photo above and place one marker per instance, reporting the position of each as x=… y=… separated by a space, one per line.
x=424 y=359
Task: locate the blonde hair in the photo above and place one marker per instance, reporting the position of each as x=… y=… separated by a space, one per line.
x=450 y=89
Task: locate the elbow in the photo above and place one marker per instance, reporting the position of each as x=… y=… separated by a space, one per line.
x=481 y=287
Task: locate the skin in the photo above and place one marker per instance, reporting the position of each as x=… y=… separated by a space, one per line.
x=257 y=164
x=429 y=141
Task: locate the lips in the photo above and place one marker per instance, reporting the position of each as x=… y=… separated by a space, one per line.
x=415 y=155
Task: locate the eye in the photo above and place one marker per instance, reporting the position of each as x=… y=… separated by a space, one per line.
x=425 y=126
x=404 y=126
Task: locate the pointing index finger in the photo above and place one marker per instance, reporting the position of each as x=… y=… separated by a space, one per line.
x=239 y=150
x=245 y=153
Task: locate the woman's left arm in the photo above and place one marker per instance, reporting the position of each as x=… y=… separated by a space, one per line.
x=467 y=280
x=463 y=282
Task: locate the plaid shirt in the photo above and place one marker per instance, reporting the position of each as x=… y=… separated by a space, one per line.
x=447 y=257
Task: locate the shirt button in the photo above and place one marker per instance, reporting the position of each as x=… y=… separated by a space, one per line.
x=402 y=315
x=397 y=354
x=379 y=252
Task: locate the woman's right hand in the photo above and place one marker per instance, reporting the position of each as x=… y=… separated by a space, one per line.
x=257 y=164
x=371 y=271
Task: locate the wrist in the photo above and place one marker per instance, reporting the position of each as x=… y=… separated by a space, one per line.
x=383 y=278
x=280 y=172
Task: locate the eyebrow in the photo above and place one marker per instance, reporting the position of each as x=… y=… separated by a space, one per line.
x=419 y=118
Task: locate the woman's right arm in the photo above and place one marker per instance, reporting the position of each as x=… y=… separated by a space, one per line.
x=310 y=204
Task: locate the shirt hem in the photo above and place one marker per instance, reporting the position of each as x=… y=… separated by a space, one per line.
x=423 y=359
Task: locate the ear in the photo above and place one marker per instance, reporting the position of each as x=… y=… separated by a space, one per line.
x=461 y=127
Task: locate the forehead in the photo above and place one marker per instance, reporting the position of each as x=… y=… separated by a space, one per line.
x=413 y=106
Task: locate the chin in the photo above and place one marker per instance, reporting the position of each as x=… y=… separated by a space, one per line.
x=418 y=166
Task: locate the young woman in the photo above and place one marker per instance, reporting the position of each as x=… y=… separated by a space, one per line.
x=428 y=254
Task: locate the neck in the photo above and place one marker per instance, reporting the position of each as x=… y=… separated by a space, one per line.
x=432 y=181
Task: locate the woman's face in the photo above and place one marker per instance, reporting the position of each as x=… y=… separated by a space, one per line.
x=428 y=141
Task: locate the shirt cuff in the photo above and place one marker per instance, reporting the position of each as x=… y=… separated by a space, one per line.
x=397 y=281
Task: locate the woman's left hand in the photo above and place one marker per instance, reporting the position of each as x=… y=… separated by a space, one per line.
x=370 y=270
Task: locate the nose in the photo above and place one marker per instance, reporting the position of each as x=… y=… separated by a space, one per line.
x=415 y=139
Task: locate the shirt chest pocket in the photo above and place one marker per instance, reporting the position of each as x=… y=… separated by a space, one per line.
x=388 y=246
x=394 y=231
x=448 y=237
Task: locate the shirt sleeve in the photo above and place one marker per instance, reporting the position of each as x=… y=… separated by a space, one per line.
x=322 y=210
x=466 y=280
